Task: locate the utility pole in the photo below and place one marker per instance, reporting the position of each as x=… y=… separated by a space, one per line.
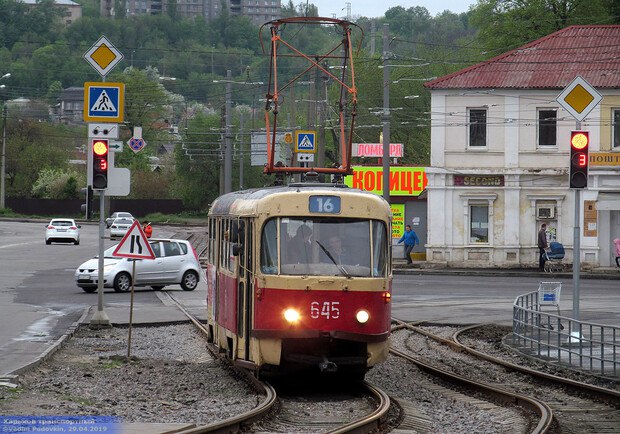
x=241 y=153
x=228 y=136
x=385 y=118
x=3 y=174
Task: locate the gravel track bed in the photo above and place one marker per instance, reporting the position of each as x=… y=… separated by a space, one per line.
x=314 y=413
x=567 y=404
x=171 y=378
x=446 y=410
x=488 y=339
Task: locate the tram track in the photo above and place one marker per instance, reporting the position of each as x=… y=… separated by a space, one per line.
x=366 y=411
x=571 y=406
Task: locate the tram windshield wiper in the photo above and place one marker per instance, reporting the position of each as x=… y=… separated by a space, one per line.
x=329 y=255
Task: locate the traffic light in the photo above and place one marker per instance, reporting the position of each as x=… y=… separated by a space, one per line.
x=87 y=208
x=101 y=150
x=579 y=143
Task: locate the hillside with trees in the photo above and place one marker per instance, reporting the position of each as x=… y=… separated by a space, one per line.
x=175 y=72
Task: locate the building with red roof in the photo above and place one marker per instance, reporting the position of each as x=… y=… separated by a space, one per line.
x=500 y=153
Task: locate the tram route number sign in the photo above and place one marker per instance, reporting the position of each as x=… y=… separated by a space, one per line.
x=324 y=204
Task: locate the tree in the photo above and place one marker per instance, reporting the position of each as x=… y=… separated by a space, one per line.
x=507 y=24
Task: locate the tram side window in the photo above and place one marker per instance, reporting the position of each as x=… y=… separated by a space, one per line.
x=269 y=248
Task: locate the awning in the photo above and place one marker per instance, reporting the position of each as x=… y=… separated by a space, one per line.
x=608 y=202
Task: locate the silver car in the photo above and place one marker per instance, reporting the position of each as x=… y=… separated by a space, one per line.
x=176 y=262
x=120 y=226
x=62 y=231
x=119 y=214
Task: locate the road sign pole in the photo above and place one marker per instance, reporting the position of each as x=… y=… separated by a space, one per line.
x=100 y=318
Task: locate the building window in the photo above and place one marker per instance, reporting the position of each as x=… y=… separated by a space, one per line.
x=479 y=224
x=615 y=129
x=547 y=127
x=477 y=127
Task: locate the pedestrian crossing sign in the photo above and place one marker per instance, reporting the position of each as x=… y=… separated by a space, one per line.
x=104 y=102
x=305 y=141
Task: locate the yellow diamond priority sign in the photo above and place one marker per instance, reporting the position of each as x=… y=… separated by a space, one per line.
x=579 y=98
x=103 y=56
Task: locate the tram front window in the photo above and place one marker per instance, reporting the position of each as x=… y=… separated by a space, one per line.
x=325 y=246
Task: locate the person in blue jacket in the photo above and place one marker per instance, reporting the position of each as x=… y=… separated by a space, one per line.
x=411 y=239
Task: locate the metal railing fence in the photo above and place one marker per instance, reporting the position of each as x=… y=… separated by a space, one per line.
x=566 y=341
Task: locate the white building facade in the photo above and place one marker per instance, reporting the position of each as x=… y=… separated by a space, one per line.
x=500 y=155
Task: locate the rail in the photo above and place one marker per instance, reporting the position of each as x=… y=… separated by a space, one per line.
x=566 y=341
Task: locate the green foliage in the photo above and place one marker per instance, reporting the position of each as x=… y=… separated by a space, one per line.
x=56 y=184
x=507 y=24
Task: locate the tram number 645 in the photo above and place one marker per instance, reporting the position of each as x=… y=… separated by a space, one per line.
x=327 y=309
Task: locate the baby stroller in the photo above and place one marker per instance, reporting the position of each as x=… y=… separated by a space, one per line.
x=553 y=258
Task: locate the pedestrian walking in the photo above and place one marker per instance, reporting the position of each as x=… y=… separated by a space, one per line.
x=410 y=239
x=617 y=248
x=542 y=246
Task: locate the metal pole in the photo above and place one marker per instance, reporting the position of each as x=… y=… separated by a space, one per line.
x=100 y=318
x=576 y=255
x=228 y=138
x=385 y=118
x=241 y=154
x=3 y=175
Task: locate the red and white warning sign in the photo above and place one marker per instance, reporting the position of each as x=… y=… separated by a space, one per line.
x=134 y=244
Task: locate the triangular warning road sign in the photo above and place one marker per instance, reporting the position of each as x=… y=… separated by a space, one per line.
x=134 y=244
x=103 y=103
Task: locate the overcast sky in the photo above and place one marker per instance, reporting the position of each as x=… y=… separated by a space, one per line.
x=377 y=8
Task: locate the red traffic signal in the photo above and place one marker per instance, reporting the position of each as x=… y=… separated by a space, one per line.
x=101 y=150
x=579 y=144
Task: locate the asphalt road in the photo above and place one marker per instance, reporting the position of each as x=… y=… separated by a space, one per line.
x=39 y=300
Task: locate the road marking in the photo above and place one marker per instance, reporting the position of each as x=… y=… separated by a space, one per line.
x=18 y=244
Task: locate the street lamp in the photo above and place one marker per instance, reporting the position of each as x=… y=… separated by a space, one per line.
x=3 y=168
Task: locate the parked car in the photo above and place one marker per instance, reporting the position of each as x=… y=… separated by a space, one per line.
x=120 y=226
x=176 y=262
x=110 y=220
x=62 y=231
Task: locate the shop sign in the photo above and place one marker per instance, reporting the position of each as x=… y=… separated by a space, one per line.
x=604 y=158
x=398 y=219
x=479 y=180
x=404 y=181
x=376 y=150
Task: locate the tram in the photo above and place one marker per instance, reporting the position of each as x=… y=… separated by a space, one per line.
x=299 y=278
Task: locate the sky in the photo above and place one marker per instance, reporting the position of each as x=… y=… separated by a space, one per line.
x=377 y=8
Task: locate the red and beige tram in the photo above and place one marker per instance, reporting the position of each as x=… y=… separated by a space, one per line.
x=299 y=277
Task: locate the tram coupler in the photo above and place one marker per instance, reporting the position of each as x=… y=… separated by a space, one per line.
x=327 y=366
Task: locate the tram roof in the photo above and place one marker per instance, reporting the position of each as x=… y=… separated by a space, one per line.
x=247 y=202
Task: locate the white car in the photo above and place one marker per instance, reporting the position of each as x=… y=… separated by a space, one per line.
x=176 y=262
x=62 y=231
x=120 y=226
x=109 y=220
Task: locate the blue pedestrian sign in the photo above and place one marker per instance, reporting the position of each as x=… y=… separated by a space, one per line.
x=305 y=141
x=104 y=102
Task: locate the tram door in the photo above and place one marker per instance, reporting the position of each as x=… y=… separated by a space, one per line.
x=243 y=289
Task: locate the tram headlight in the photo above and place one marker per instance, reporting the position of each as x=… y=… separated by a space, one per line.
x=291 y=315
x=362 y=316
